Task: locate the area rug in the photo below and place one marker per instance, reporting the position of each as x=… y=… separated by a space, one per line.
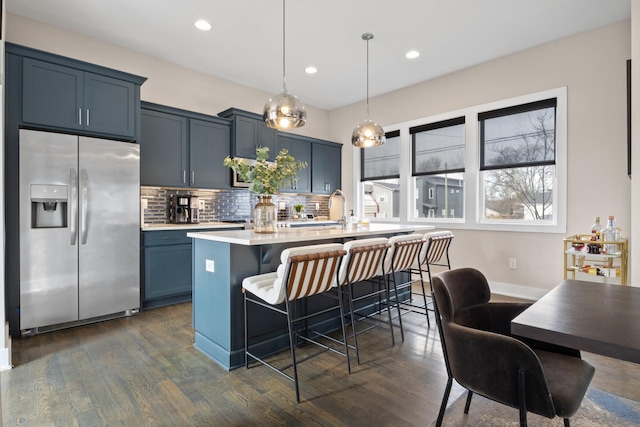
x=598 y=409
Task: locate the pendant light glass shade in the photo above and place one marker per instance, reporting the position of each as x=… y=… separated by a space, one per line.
x=284 y=111
x=368 y=133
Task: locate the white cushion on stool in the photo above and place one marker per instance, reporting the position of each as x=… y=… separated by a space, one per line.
x=423 y=252
x=269 y=287
x=261 y=286
x=358 y=244
x=392 y=240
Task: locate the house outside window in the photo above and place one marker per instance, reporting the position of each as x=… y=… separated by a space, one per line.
x=498 y=166
x=380 y=174
x=517 y=162
x=438 y=165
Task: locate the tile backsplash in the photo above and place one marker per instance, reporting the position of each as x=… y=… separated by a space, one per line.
x=226 y=204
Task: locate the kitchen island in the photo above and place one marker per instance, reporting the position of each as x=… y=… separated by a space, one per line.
x=222 y=259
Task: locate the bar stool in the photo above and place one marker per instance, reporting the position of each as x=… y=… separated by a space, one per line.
x=304 y=271
x=433 y=253
x=363 y=263
x=402 y=254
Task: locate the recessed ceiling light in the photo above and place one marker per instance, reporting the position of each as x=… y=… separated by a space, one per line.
x=202 y=25
x=412 y=54
x=311 y=70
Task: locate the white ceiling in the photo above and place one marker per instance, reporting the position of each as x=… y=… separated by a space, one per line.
x=245 y=44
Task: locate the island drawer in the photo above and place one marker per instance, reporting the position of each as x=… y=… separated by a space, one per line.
x=173 y=237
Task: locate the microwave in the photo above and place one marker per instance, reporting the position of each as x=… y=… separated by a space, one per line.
x=236 y=181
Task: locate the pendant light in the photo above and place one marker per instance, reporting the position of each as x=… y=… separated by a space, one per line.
x=368 y=133
x=284 y=111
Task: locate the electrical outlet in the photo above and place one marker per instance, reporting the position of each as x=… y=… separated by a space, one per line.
x=210 y=266
x=512 y=263
x=201 y=205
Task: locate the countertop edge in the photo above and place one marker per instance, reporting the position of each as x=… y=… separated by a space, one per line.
x=186 y=227
x=250 y=238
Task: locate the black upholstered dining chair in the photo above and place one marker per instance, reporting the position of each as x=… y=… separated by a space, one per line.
x=482 y=356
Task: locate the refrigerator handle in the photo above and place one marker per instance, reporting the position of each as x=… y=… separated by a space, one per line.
x=83 y=205
x=73 y=206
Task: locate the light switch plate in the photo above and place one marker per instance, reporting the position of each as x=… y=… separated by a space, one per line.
x=210 y=266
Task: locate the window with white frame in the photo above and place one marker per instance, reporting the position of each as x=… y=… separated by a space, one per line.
x=498 y=166
x=438 y=160
x=517 y=162
x=380 y=174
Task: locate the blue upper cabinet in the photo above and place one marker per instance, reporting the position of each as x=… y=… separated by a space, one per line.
x=181 y=148
x=163 y=149
x=52 y=95
x=79 y=97
x=209 y=144
x=248 y=132
x=326 y=167
x=109 y=105
x=300 y=149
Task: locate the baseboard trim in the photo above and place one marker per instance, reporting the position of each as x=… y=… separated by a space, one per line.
x=5 y=364
x=5 y=353
x=517 y=291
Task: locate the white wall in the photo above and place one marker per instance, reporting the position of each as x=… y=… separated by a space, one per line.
x=5 y=341
x=591 y=65
x=635 y=140
x=167 y=83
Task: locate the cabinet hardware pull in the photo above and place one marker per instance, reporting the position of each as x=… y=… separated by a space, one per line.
x=73 y=178
x=193 y=177
x=184 y=176
x=80 y=116
x=84 y=204
x=88 y=117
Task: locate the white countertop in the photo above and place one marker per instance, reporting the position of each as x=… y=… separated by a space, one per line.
x=200 y=226
x=303 y=234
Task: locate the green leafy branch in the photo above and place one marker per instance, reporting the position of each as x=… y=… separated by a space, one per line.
x=267 y=177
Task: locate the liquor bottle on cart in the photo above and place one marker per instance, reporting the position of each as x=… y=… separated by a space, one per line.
x=610 y=235
x=596 y=231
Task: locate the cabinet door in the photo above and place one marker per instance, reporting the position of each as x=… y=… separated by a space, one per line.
x=333 y=168
x=267 y=137
x=209 y=144
x=52 y=95
x=163 y=149
x=109 y=105
x=167 y=271
x=250 y=134
x=300 y=150
x=325 y=169
x=245 y=137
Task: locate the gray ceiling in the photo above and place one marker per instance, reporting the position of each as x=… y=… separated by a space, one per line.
x=245 y=44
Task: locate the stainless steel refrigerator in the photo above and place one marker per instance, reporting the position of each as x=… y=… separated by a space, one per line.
x=79 y=228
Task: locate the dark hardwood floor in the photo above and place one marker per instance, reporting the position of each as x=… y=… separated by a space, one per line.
x=144 y=371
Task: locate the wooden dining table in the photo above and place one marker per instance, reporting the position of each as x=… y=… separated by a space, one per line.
x=594 y=317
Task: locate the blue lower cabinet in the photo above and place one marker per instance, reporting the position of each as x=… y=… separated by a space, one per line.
x=166 y=266
x=167 y=275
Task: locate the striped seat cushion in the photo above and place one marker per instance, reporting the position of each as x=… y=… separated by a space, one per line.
x=407 y=247
x=271 y=288
x=436 y=244
x=359 y=266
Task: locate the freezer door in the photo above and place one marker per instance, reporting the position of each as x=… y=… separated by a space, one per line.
x=109 y=227
x=48 y=246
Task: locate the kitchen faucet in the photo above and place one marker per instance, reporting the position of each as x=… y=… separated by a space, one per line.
x=338 y=192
